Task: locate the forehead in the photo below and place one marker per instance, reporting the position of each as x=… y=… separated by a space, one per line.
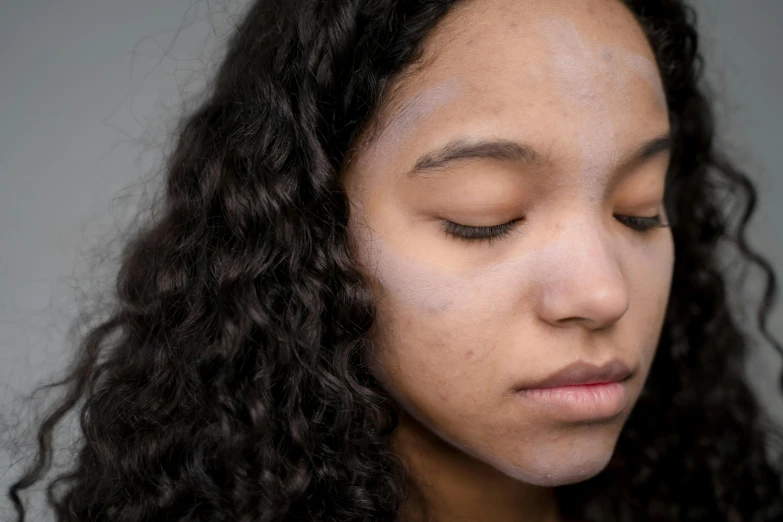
x=546 y=69
x=530 y=36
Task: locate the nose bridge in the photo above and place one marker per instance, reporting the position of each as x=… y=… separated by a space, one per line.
x=595 y=247
x=585 y=280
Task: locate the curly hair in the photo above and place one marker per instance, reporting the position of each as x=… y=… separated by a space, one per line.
x=227 y=383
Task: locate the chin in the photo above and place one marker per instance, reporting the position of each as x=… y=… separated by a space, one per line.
x=557 y=466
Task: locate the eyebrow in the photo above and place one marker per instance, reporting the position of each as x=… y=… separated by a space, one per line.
x=507 y=151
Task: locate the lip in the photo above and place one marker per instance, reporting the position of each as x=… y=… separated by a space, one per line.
x=586 y=402
x=581 y=391
x=582 y=373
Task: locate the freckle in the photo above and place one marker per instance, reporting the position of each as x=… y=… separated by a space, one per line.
x=607 y=56
x=513 y=24
x=469 y=354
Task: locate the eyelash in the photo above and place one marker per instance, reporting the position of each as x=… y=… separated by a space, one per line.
x=639 y=224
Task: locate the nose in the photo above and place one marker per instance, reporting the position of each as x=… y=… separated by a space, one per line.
x=583 y=282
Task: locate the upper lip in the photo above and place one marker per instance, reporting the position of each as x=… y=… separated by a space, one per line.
x=581 y=372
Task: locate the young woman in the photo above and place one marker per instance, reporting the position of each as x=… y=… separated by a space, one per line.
x=432 y=260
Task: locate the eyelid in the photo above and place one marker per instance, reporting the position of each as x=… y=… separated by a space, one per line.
x=471 y=234
x=478 y=234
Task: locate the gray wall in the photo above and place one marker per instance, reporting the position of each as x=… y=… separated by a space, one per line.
x=89 y=87
x=742 y=43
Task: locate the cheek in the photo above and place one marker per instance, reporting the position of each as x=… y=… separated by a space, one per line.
x=437 y=338
x=447 y=351
x=650 y=276
x=657 y=261
x=418 y=278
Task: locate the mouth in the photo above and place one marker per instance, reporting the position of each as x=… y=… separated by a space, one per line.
x=582 y=373
x=581 y=391
x=579 y=403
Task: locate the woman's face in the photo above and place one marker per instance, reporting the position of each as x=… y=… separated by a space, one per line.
x=462 y=324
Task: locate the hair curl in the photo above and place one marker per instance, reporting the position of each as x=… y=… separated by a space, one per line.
x=227 y=383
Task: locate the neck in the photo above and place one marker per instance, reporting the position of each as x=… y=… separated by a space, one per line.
x=449 y=484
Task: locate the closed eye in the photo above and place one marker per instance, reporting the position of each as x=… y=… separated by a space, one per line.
x=640 y=224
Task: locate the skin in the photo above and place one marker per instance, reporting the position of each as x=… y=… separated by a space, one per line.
x=461 y=324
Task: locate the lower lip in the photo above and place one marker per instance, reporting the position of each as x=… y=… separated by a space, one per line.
x=579 y=403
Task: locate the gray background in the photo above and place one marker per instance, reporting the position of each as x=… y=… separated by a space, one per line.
x=89 y=88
